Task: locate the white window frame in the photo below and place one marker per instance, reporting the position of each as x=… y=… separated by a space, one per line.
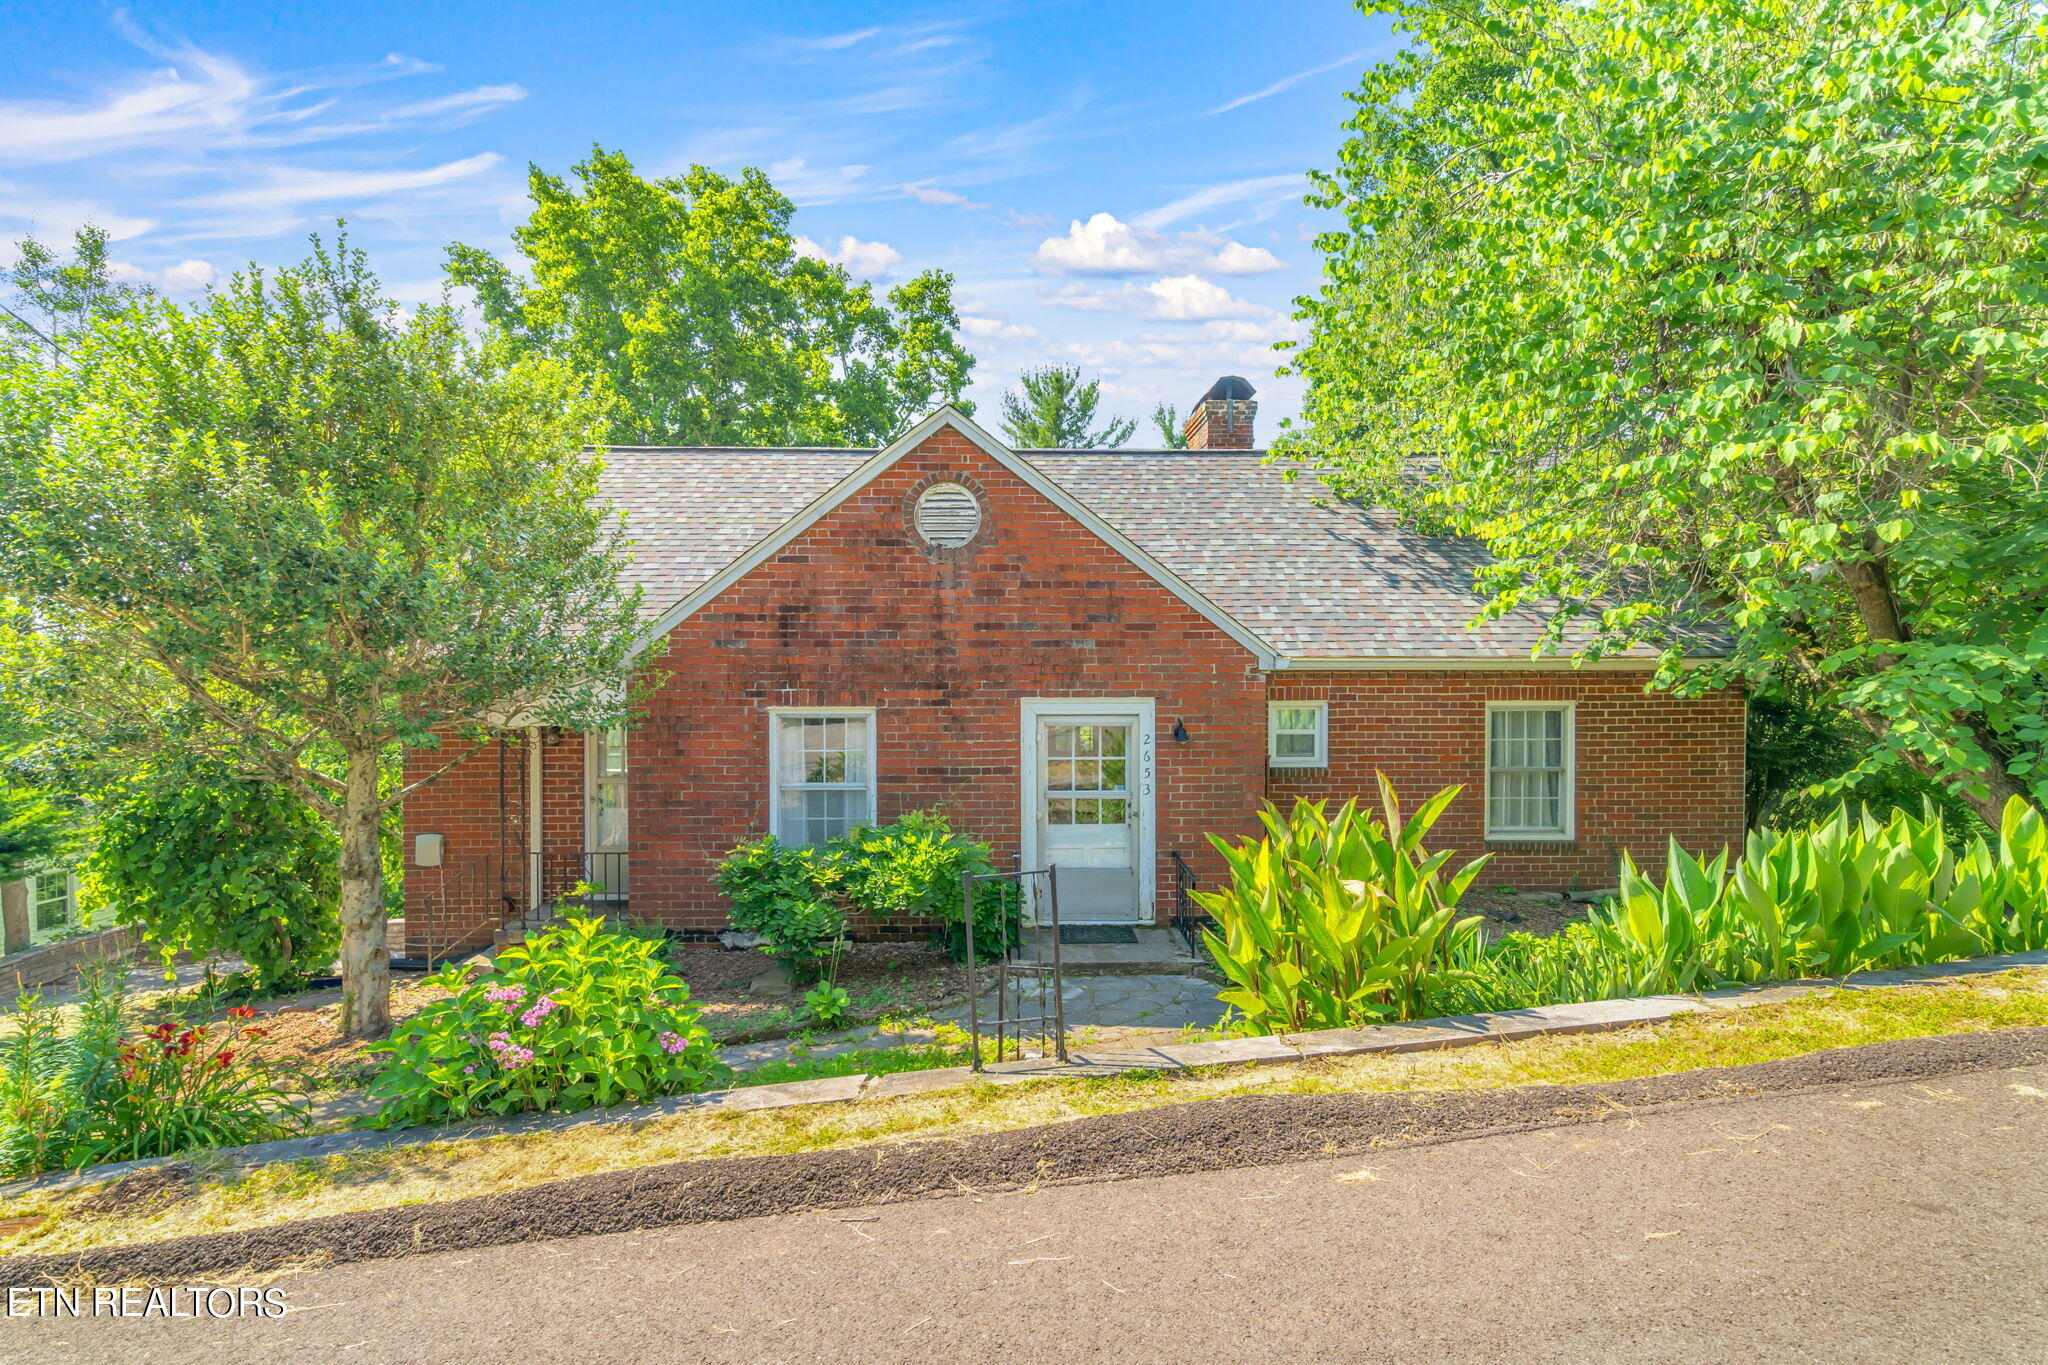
x=1568 y=802
x=593 y=774
x=72 y=917
x=1320 y=758
x=778 y=714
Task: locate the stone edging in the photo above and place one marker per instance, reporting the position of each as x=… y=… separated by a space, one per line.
x=1419 y=1035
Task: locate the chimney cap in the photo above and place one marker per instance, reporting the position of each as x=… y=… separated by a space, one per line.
x=1230 y=386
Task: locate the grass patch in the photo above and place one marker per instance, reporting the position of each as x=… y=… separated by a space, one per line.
x=224 y=1197
x=872 y=1061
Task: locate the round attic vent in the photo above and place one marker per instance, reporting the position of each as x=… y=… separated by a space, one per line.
x=948 y=515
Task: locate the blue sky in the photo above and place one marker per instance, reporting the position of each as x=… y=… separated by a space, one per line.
x=1114 y=185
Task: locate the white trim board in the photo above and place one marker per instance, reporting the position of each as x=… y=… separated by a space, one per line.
x=1144 y=786
x=869 y=470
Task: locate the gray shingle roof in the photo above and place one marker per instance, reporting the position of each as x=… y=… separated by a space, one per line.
x=1314 y=576
x=692 y=512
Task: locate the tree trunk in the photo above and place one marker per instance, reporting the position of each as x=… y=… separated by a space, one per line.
x=365 y=961
x=1878 y=607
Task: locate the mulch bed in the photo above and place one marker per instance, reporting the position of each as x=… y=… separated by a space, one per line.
x=1261 y=1130
x=913 y=978
x=1521 y=912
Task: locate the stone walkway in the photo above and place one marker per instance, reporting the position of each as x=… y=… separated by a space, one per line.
x=1129 y=1009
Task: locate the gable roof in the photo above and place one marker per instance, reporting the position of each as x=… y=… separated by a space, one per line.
x=678 y=554
x=1302 y=578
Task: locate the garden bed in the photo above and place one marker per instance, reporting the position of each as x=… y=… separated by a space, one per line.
x=1541 y=913
x=882 y=979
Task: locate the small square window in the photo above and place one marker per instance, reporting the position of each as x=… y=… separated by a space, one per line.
x=1298 y=734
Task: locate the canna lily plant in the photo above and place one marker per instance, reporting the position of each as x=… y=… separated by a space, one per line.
x=1334 y=920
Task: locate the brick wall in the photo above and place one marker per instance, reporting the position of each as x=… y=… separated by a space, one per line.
x=945 y=644
x=1648 y=765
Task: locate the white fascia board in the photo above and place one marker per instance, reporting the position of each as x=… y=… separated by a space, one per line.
x=767 y=547
x=1467 y=664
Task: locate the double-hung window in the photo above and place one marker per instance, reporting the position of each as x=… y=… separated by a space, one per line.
x=824 y=774
x=54 y=897
x=1298 y=734
x=1528 y=771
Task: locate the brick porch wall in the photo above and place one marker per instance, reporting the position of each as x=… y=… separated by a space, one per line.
x=1648 y=765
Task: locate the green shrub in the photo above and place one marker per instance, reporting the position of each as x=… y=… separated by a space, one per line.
x=799 y=899
x=574 y=1017
x=84 y=1094
x=911 y=869
x=205 y=862
x=53 y=1078
x=1845 y=894
x=1331 y=921
x=784 y=894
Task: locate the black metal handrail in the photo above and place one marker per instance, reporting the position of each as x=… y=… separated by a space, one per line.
x=1188 y=919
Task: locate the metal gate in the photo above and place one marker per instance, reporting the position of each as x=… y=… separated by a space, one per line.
x=1030 y=963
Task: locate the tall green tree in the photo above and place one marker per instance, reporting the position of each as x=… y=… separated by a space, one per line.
x=688 y=305
x=50 y=302
x=1051 y=409
x=1727 y=306
x=1173 y=434
x=291 y=527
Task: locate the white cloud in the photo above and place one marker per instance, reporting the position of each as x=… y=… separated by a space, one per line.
x=807 y=184
x=1189 y=298
x=289 y=186
x=875 y=260
x=1173 y=298
x=186 y=277
x=1235 y=258
x=189 y=277
x=835 y=42
x=204 y=94
x=1288 y=82
x=56 y=219
x=926 y=194
x=995 y=329
x=1101 y=246
x=1105 y=245
x=477 y=101
x=1266 y=187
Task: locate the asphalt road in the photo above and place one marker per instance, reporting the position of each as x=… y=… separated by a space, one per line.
x=1866 y=1223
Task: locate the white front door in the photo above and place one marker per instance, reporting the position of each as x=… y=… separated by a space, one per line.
x=1089 y=809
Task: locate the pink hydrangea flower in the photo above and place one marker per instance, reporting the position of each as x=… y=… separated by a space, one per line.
x=539 y=1010
x=673 y=1043
x=499 y=995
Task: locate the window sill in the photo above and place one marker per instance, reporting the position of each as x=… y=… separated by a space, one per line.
x=1532 y=843
x=1318 y=767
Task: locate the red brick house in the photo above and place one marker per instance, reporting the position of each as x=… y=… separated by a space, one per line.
x=1090 y=658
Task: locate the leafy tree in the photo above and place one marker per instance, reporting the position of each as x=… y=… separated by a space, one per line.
x=51 y=302
x=1172 y=431
x=33 y=829
x=687 y=304
x=1051 y=409
x=207 y=862
x=1714 y=304
x=291 y=527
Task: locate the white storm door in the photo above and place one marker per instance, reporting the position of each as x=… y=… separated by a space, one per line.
x=1089 y=811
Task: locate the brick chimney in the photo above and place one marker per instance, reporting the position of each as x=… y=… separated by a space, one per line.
x=1223 y=419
